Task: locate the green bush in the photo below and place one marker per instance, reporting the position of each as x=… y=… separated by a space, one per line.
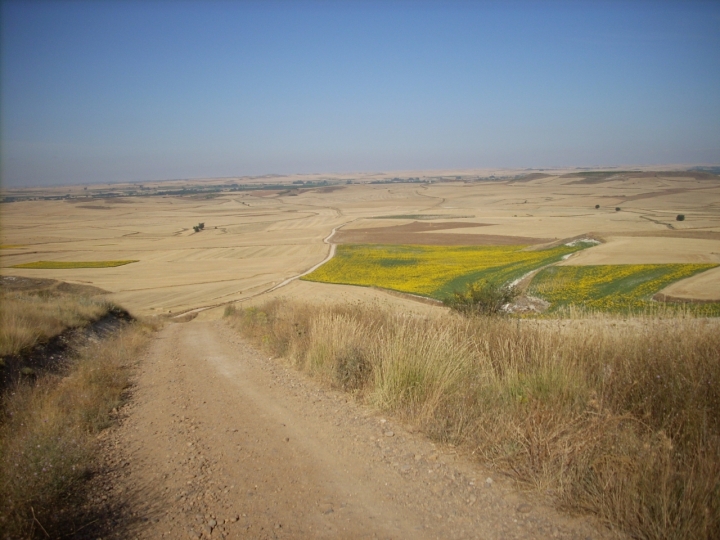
x=680 y=217
x=481 y=298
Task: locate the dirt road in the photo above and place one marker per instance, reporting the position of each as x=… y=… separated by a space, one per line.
x=220 y=441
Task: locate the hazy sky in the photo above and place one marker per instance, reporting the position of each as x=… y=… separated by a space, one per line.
x=97 y=91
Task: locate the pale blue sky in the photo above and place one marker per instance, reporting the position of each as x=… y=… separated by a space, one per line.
x=140 y=90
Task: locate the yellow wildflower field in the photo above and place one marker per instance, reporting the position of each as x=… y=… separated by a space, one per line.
x=622 y=287
x=433 y=271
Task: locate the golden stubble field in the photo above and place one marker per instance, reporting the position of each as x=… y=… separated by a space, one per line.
x=255 y=240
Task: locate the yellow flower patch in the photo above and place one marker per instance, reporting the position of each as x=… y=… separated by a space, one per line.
x=622 y=287
x=433 y=271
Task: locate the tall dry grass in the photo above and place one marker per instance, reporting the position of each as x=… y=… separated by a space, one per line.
x=48 y=434
x=617 y=417
x=30 y=317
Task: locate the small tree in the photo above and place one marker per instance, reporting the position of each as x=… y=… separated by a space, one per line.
x=196 y=228
x=201 y=226
x=617 y=208
x=680 y=217
x=597 y=206
x=481 y=298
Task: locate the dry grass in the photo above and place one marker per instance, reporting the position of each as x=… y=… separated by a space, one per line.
x=619 y=418
x=32 y=316
x=48 y=435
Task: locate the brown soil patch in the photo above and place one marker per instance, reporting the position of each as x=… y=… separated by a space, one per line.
x=418 y=233
x=430 y=239
x=418 y=226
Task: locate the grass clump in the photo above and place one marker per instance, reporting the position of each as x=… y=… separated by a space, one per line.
x=48 y=435
x=66 y=265
x=620 y=418
x=29 y=317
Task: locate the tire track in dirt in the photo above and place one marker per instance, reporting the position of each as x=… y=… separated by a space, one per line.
x=218 y=441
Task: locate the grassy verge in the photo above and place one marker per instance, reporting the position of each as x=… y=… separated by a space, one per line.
x=48 y=435
x=621 y=419
x=65 y=265
x=29 y=316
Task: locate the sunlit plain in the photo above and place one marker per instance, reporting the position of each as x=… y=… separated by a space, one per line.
x=253 y=240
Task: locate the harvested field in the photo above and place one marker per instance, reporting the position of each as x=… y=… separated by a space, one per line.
x=257 y=238
x=704 y=287
x=68 y=265
x=649 y=250
x=700 y=235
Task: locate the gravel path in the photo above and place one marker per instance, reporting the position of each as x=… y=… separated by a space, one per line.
x=219 y=441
